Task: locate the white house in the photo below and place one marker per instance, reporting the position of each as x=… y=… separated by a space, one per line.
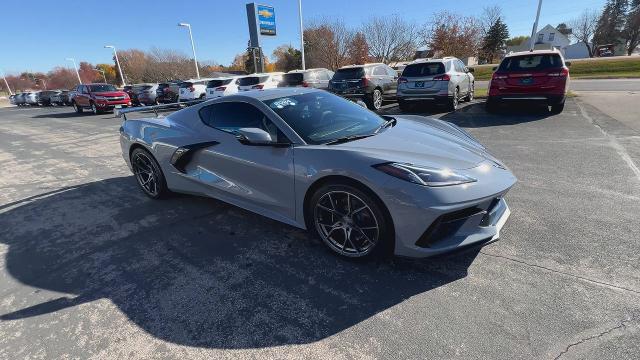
x=548 y=38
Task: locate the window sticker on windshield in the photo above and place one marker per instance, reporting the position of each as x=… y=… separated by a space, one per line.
x=282 y=103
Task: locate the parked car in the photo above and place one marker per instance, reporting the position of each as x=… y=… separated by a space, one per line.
x=193 y=89
x=146 y=94
x=99 y=97
x=371 y=83
x=12 y=99
x=364 y=184
x=32 y=98
x=20 y=99
x=131 y=92
x=222 y=86
x=167 y=92
x=443 y=81
x=56 y=98
x=260 y=81
x=540 y=76
x=314 y=78
x=44 y=98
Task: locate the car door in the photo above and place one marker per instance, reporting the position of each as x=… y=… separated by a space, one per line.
x=393 y=78
x=381 y=76
x=461 y=77
x=259 y=178
x=82 y=98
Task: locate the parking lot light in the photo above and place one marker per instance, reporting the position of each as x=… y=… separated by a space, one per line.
x=6 y=83
x=193 y=47
x=115 y=53
x=75 y=67
x=301 y=33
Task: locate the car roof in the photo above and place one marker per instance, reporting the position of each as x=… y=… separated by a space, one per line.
x=534 y=52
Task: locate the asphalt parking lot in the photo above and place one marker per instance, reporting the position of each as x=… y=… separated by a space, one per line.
x=91 y=268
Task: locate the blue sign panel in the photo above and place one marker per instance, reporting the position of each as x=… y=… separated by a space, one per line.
x=266 y=20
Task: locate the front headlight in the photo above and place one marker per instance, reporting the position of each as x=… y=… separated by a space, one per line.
x=424 y=176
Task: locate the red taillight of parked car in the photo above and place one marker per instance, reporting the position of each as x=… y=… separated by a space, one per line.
x=305 y=84
x=220 y=88
x=364 y=82
x=564 y=72
x=259 y=86
x=497 y=76
x=402 y=80
x=443 y=77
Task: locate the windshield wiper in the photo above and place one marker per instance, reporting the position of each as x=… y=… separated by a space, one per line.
x=348 y=138
x=391 y=121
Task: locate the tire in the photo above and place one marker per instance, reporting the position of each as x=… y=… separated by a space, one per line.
x=148 y=174
x=78 y=109
x=490 y=106
x=374 y=102
x=471 y=93
x=360 y=231
x=557 y=108
x=455 y=100
x=94 y=109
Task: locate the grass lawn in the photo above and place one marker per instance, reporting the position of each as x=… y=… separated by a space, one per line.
x=585 y=69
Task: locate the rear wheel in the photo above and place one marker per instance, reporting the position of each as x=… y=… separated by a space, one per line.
x=76 y=107
x=350 y=221
x=374 y=102
x=148 y=174
x=471 y=93
x=453 y=103
x=557 y=108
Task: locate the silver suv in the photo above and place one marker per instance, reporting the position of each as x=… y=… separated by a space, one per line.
x=443 y=81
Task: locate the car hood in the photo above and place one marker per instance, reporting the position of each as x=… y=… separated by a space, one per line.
x=110 y=93
x=425 y=142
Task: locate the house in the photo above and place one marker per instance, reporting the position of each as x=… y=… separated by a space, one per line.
x=551 y=38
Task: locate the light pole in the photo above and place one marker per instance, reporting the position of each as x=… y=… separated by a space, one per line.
x=193 y=47
x=103 y=75
x=6 y=83
x=535 y=27
x=115 y=53
x=301 y=33
x=75 y=67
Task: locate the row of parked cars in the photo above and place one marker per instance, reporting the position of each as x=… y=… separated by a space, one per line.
x=41 y=98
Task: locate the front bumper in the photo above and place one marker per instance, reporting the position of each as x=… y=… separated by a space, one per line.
x=432 y=221
x=110 y=105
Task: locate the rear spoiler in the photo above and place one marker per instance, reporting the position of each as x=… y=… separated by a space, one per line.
x=155 y=108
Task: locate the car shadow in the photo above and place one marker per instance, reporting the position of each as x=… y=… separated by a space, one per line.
x=199 y=272
x=474 y=115
x=60 y=115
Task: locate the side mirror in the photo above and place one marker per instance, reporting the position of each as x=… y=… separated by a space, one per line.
x=257 y=137
x=470 y=70
x=494 y=68
x=568 y=63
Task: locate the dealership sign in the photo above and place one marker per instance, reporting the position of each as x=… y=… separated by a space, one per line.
x=266 y=20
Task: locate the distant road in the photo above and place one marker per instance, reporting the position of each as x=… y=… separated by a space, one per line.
x=593 y=85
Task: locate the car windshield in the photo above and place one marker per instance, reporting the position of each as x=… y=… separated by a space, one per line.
x=424 y=69
x=349 y=73
x=531 y=62
x=218 y=82
x=321 y=117
x=102 y=88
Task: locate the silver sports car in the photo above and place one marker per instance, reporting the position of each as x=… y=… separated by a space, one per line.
x=366 y=184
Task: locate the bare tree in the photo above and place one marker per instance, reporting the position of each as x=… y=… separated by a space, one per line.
x=449 y=34
x=390 y=38
x=489 y=16
x=583 y=28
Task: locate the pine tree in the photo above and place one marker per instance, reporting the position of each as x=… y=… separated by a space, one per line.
x=495 y=40
x=632 y=27
x=611 y=23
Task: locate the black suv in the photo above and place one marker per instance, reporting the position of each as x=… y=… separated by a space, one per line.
x=371 y=83
x=167 y=92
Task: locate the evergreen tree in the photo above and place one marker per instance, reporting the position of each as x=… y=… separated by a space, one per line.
x=632 y=27
x=611 y=23
x=495 y=40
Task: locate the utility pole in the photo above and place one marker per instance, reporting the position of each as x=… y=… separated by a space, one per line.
x=6 y=83
x=301 y=34
x=75 y=67
x=535 y=27
x=193 y=47
x=115 y=53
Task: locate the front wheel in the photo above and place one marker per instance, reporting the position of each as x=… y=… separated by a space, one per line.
x=76 y=108
x=349 y=221
x=94 y=109
x=148 y=174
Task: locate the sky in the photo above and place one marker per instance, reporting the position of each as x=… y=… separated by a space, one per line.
x=37 y=35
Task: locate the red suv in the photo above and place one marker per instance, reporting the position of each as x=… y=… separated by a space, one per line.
x=99 y=98
x=537 y=76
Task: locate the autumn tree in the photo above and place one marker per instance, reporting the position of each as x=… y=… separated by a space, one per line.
x=449 y=34
x=358 y=49
x=287 y=58
x=326 y=43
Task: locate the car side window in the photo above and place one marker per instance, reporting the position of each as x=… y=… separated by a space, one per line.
x=391 y=72
x=232 y=116
x=379 y=70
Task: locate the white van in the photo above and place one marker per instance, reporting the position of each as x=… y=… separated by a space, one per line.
x=260 y=81
x=193 y=89
x=222 y=86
